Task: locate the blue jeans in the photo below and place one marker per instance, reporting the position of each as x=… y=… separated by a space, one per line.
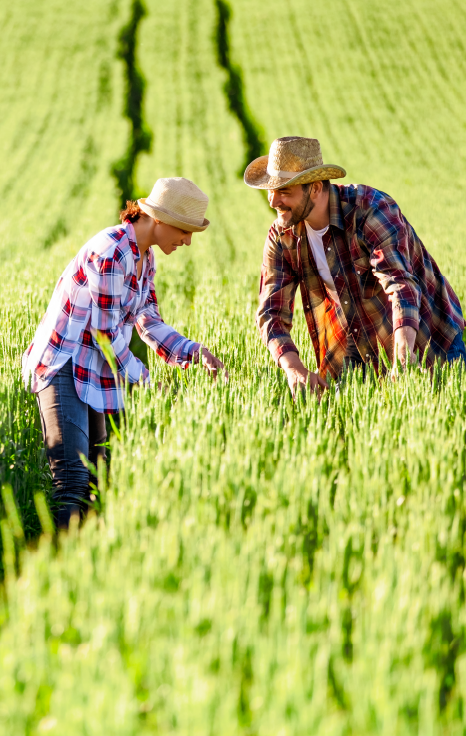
x=70 y=427
x=457 y=349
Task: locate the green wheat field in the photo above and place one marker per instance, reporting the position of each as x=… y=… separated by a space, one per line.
x=257 y=566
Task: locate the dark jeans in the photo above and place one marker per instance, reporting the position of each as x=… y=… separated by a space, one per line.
x=456 y=350
x=353 y=357
x=69 y=427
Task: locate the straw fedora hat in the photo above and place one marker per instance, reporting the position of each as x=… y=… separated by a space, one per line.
x=291 y=160
x=179 y=202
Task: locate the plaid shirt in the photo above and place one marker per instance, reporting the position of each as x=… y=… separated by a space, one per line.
x=383 y=275
x=99 y=292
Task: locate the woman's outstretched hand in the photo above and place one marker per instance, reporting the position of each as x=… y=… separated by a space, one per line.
x=210 y=362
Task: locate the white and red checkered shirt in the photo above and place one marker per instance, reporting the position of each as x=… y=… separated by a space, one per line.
x=99 y=292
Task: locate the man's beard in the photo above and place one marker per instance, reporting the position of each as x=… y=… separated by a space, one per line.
x=298 y=213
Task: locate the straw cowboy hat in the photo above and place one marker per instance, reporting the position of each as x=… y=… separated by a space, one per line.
x=178 y=202
x=293 y=161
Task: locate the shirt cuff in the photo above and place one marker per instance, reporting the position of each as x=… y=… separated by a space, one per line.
x=190 y=352
x=405 y=315
x=279 y=347
x=192 y=348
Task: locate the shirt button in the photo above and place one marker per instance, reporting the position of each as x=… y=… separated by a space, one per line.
x=355 y=329
x=358 y=272
x=346 y=302
x=329 y=249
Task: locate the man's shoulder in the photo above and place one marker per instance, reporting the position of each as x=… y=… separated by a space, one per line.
x=273 y=239
x=275 y=230
x=364 y=197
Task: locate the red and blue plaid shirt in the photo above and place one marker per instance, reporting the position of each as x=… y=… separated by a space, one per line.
x=99 y=293
x=383 y=275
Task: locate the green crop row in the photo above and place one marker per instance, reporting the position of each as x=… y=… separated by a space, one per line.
x=257 y=566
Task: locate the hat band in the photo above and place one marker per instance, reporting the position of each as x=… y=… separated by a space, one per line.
x=282 y=174
x=176 y=215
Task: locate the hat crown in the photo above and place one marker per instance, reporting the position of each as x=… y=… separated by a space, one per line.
x=291 y=161
x=293 y=154
x=179 y=197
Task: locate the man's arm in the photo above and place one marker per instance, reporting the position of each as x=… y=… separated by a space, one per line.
x=278 y=284
x=274 y=317
x=386 y=232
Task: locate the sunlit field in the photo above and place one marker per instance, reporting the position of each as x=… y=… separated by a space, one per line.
x=255 y=565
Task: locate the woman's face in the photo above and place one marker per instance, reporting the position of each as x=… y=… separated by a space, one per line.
x=169 y=238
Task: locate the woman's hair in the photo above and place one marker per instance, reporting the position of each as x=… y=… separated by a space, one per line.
x=131 y=212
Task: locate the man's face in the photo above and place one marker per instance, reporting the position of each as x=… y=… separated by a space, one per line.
x=293 y=204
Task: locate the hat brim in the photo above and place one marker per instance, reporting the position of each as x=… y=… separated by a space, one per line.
x=256 y=175
x=157 y=213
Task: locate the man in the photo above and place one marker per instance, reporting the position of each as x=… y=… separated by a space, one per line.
x=365 y=277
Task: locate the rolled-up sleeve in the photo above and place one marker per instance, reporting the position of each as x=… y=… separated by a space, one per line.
x=172 y=347
x=387 y=235
x=278 y=285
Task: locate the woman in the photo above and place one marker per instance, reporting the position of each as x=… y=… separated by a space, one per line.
x=105 y=290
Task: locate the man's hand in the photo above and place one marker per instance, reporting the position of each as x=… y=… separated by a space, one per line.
x=298 y=375
x=403 y=338
x=209 y=362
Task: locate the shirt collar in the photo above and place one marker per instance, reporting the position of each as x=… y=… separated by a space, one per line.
x=296 y=231
x=336 y=214
x=131 y=233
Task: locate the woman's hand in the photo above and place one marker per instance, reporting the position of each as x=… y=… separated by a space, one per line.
x=210 y=362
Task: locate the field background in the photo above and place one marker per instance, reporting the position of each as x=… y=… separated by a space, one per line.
x=258 y=567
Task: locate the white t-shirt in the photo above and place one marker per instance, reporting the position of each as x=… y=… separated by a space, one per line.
x=315 y=241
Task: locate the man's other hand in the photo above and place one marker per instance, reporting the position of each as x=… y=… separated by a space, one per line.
x=298 y=375
x=404 y=340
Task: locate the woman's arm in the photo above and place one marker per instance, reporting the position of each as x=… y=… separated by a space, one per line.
x=163 y=339
x=168 y=343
